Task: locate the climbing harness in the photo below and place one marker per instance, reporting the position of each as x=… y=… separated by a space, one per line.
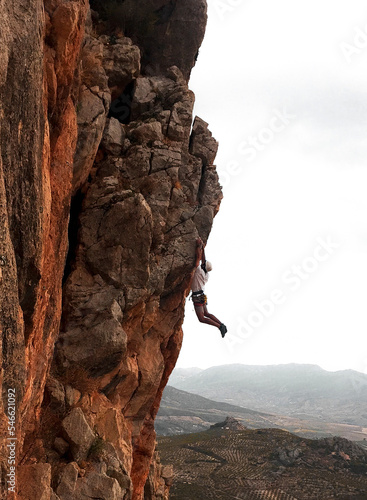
x=199 y=298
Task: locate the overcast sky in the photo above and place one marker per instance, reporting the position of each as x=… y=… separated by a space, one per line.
x=283 y=86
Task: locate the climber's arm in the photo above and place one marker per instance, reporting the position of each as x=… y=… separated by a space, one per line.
x=203 y=259
x=199 y=251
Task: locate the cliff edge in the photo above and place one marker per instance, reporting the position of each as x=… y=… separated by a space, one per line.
x=105 y=184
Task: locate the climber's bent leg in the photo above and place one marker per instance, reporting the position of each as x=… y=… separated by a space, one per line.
x=211 y=316
x=200 y=314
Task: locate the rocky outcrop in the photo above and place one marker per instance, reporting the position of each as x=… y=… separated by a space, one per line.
x=159 y=481
x=158 y=27
x=105 y=186
x=230 y=424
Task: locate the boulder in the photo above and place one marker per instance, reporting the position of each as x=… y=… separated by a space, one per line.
x=203 y=145
x=95 y=485
x=145 y=95
x=72 y=396
x=114 y=466
x=148 y=132
x=67 y=481
x=78 y=434
x=104 y=346
x=61 y=446
x=167 y=474
x=56 y=392
x=113 y=137
x=121 y=62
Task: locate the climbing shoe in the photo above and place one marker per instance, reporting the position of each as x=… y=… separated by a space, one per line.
x=223 y=330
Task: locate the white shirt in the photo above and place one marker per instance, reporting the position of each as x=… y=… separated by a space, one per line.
x=199 y=279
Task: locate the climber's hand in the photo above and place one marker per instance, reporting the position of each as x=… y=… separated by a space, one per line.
x=199 y=242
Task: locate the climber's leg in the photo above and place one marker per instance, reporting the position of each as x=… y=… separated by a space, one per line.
x=221 y=326
x=211 y=316
x=200 y=314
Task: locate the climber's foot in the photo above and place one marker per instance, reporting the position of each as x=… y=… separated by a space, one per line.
x=223 y=330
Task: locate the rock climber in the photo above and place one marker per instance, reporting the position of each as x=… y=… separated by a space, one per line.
x=199 y=299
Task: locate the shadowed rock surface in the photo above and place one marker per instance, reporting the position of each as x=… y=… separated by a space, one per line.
x=105 y=185
x=159 y=27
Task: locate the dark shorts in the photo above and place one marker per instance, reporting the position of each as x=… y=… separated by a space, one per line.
x=199 y=300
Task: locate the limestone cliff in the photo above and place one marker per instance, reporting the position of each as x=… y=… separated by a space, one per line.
x=105 y=184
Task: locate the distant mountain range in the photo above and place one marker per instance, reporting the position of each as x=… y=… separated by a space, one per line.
x=181 y=412
x=297 y=391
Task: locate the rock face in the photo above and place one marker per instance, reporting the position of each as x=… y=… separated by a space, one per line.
x=159 y=481
x=159 y=28
x=105 y=185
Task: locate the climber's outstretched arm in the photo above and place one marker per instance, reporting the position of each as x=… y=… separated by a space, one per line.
x=203 y=259
x=199 y=251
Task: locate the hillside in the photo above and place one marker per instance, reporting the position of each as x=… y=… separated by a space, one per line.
x=264 y=464
x=182 y=412
x=299 y=391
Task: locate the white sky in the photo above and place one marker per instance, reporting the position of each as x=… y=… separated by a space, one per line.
x=303 y=178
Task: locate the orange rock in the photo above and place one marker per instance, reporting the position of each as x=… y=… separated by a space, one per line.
x=107 y=338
